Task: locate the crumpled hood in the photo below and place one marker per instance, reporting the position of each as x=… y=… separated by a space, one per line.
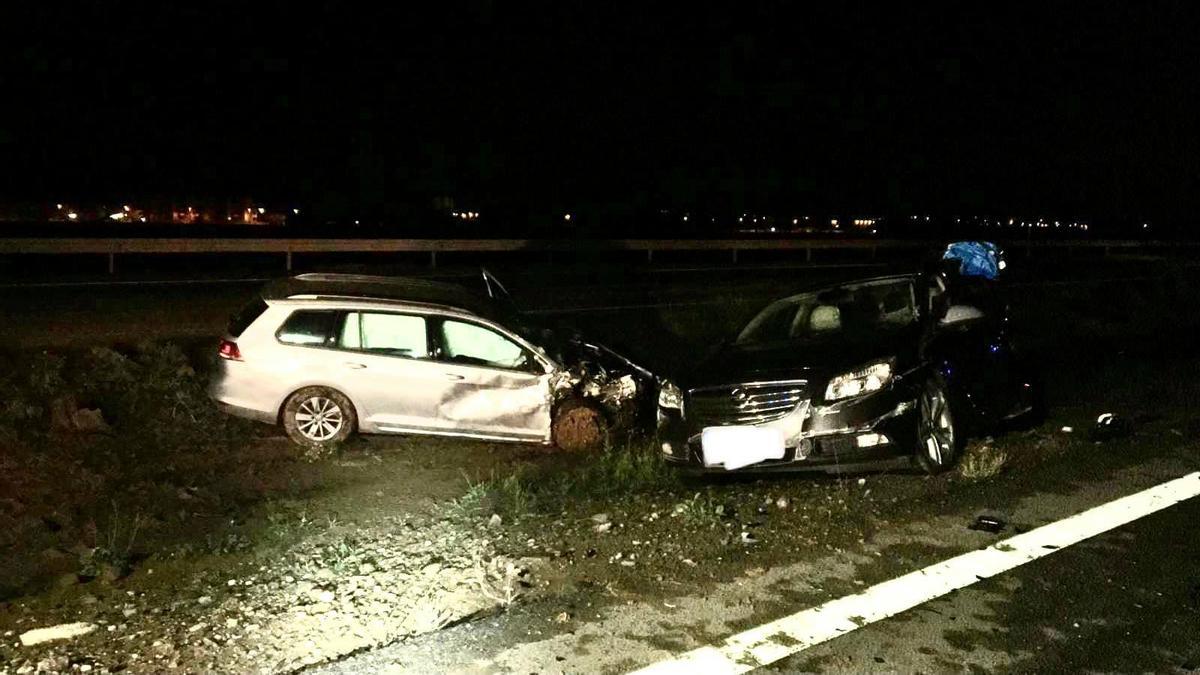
x=812 y=359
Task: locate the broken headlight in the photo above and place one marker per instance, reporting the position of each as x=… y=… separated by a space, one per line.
x=862 y=381
x=669 y=396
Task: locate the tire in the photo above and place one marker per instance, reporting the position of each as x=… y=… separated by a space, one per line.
x=579 y=426
x=318 y=418
x=938 y=437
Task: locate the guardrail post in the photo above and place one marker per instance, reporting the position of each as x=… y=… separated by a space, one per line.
x=112 y=262
x=650 y=256
x=433 y=258
x=807 y=254
x=735 y=256
x=289 y=260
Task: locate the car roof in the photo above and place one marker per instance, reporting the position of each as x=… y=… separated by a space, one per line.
x=353 y=287
x=905 y=276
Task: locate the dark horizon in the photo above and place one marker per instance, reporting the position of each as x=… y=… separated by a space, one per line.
x=1072 y=112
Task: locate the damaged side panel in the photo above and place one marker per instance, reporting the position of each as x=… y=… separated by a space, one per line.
x=497 y=402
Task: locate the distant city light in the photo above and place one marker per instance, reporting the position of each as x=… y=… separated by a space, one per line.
x=261 y=210
x=143 y=219
x=566 y=216
x=58 y=206
x=795 y=221
x=72 y=215
x=119 y=215
x=125 y=208
x=685 y=218
x=296 y=211
x=833 y=222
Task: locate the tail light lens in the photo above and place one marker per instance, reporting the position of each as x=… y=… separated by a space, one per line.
x=228 y=349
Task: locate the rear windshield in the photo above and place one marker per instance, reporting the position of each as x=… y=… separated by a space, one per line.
x=245 y=316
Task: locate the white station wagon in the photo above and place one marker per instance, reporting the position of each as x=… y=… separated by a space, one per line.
x=327 y=355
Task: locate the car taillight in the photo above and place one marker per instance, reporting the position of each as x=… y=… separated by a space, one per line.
x=229 y=350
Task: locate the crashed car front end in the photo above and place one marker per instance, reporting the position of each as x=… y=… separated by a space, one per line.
x=595 y=380
x=787 y=425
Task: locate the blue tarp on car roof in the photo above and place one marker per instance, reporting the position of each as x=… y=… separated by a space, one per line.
x=975 y=258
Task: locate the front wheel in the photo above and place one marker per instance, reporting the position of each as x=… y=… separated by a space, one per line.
x=937 y=437
x=318 y=418
x=579 y=426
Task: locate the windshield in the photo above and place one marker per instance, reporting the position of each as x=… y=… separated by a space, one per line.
x=851 y=311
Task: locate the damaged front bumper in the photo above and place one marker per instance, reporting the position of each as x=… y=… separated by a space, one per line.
x=871 y=432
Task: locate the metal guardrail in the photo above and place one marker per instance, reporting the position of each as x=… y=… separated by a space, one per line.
x=111 y=247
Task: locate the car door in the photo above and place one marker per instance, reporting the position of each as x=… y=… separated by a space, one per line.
x=387 y=368
x=500 y=389
x=977 y=350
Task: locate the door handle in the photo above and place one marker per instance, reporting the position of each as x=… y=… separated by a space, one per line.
x=356 y=366
x=452 y=376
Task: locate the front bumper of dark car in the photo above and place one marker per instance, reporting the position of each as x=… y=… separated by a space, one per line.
x=870 y=432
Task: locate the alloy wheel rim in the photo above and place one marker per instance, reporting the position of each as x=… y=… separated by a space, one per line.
x=938 y=429
x=319 y=419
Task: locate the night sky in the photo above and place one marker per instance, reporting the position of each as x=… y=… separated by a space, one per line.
x=1081 y=110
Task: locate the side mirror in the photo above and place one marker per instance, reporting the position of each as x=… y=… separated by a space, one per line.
x=956 y=314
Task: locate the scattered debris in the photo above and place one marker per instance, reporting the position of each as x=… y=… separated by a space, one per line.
x=990 y=524
x=603 y=527
x=495 y=520
x=600 y=518
x=563 y=617
x=1109 y=427
x=63 y=631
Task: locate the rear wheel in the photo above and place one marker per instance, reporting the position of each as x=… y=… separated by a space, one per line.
x=318 y=418
x=579 y=426
x=937 y=436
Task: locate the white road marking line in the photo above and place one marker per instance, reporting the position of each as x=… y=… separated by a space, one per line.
x=790 y=635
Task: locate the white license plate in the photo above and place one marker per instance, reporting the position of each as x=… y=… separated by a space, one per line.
x=737 y=447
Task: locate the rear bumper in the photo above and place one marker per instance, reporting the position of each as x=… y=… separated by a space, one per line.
x=831 y=439
x=245 y=413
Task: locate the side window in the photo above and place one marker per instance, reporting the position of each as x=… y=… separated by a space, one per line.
x=307 y=327
x=387 y=334
x=475 y=345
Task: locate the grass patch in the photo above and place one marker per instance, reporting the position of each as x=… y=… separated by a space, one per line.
x=982 y=460
x=633 y=467
x=120 y=490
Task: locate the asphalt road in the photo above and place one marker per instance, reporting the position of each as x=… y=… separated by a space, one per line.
x=1126 y=601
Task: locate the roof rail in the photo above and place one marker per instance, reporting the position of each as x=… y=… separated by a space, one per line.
x=389 y=301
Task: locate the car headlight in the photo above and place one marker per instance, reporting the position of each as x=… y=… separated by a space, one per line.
x=863 y=381
x=669 y=396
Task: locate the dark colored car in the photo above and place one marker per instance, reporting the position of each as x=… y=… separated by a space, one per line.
x=862 y=375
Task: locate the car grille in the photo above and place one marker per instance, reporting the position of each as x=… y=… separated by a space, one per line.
x=754 y=403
